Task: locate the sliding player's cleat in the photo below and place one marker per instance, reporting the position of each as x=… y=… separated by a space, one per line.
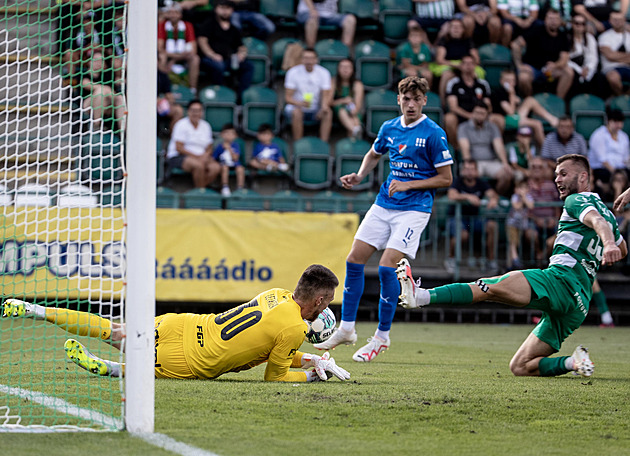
x=16 y=308
x=408 y=287
x=83 y=358
x=582 y=362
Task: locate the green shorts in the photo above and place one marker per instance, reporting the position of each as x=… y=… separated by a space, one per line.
x=563 y=301
x=511 y=122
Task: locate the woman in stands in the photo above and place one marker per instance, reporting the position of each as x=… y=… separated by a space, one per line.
x=347 y=100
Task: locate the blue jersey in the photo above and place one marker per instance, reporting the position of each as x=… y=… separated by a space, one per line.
x=415 y=151
x=267 y=152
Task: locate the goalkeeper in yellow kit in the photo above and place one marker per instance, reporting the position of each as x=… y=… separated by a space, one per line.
x=269 y=328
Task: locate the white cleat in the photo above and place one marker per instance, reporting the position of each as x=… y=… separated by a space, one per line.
x=407 y=297
x=582 y=362
x=368 y=352
x=339 y=337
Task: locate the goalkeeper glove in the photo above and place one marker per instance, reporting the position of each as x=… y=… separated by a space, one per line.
x=323 y=365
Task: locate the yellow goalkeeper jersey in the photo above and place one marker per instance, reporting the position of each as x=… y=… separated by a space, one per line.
x=268 y=328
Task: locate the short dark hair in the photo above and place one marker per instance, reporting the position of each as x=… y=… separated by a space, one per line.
x=578 y=159
x=310 y=49
x=480 y=104
x=564 y=118
x=615 y=114
x=264 y=128
x=315 y=279
x=227 y=126
x=414 y=84
x=194 y=101
x=470 y=161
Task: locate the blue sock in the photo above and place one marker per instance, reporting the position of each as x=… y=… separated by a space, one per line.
x=352 y=291
x=390 y=289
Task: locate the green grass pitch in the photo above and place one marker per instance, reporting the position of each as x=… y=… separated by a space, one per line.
x=441 y=389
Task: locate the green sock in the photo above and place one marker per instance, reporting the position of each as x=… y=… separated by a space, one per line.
x=599 y=299
x=455 y=293
x=550 y=367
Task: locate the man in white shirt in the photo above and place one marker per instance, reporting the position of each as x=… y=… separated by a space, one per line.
x=308 y=95
x=609 y=150
x=190 y=147
x=614 y=46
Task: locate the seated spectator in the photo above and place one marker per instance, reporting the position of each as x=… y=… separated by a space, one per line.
x=267 y=155
x=516 y=17
x=609 y=150
x=177 y=45
x=480 y=140
x=546 y=57
x=614 y=46
x=583 y=58
x=517 y=221
x=432 y=14
x=190 y=147
x=481 y=20
x=347 y=100
x=246 y=14
x=414 y=57
x=565 y=140
x=228 y=154
x=222 y=49
x=449 y=53
x=597 y=13
x=168 y=111
x=313 y=13
x=470 y=189
x=521 y=153
x=461 y=95
x=509 y=111
x=307 y=95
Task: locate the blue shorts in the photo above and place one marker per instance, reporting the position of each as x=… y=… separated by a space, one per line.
x=309 y=115
x=336 y=20
x=623 y=71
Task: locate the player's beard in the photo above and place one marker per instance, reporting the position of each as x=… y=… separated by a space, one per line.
x=571 y=188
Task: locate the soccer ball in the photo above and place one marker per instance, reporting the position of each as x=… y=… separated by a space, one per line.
x=322 y=327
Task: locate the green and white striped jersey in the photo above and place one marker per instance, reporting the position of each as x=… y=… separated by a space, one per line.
x=577 y=246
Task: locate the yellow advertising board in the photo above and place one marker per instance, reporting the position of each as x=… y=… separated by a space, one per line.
x=214 y=256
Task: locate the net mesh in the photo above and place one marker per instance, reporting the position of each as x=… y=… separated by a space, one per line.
x=62 y=184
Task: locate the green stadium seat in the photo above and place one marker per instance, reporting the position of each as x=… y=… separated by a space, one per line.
x=258 y=54
x=245 y=199
x=182 y=94
x=433 y=108
x=362 y=202
x=312 y=163
x=220 y=106
x=380 y=105
x=495 y=58
x=277 y=53
x=383 y=170
x=363 y=11
x=329 y=201
x=374 y=64
x=282 y=12
x=349 y=153
x=330 y=52
x=552 y=103
x=393 y=16
x=286 y=201
x=202 y=198
x=100 y=158
x=260 y=106
x=588 y=113
x=167 y=198
x=622 y=103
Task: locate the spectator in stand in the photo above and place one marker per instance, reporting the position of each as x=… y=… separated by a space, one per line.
x=521 y=153
x=190 y=147
x=415 y=55
x=516 y=17
x=542 y=189
x=432 y=14
x=222 y=49
x=308 y=93
x=246 y=14
x=517 y=221
x=449 y=53
x=313 y=13
x=481 y=20
x=597 y=13
x=614 y=46
x=462 y=92
x=471 y=190
x=609 y=150
x=267 y=155
x=177 y=44
x=563 y=7
x=546 y=57
x=347 y=102
x=480 y=140
x=509 y=111
x=583 y=58
x=228 y=154
x=565 y=140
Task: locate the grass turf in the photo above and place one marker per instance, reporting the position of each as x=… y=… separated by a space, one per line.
x=440 y=390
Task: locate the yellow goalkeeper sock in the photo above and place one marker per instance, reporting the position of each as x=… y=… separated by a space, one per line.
x=80 y=323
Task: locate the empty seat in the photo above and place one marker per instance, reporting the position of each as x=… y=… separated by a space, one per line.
x=349 y=154
x=588 y=113
x=330 y=52
x=374 y=64
x=312 y=163
x=201 y=198
x=380 y=105
x=166 y=198
x=260 y=106
x=258 y=54
x=220 y=106
x=286 y=201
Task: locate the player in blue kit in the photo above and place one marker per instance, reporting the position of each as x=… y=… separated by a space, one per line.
x=420 y=162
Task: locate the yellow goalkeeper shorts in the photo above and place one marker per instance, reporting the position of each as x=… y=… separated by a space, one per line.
x=170 y=361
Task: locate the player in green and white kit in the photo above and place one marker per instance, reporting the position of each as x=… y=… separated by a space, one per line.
x=588 y=237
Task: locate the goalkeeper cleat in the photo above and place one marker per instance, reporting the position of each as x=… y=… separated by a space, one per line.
x=17 y=308
x=368 y=352
x=339 y=337
x=83 y=358
x=582 y=363
x=408 y=287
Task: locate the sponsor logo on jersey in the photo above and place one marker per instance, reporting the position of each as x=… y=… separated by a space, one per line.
x=446 y=154
x=580 y=303
x=421 y=142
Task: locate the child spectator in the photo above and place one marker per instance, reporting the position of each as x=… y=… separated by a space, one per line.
x=228 y=154
x=518 y=221
x=521 y=153
x=414 y=57
x=267 y=155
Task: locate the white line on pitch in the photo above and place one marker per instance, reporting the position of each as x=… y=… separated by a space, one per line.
x=167 y=443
